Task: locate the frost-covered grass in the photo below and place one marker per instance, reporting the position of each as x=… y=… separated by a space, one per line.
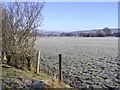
x=93 y=61
x=12 y=77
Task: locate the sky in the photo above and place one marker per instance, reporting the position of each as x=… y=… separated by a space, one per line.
x=74 y=16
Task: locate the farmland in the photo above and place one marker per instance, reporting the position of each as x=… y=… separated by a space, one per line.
x=86 y=62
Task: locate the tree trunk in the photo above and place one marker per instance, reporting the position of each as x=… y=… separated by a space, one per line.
x=8 y=58
x=29 y=63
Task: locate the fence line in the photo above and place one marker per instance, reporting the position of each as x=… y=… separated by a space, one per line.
x=38 y=62
x=60 y=65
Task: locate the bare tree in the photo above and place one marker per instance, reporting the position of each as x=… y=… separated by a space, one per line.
x=19 y=20
x=107 y=31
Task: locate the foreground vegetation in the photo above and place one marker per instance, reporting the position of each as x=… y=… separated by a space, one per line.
x=16 y=78
x=86 y=62
x=19 y=23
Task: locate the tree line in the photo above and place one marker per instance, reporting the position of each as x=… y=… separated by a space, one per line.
x=99 y=33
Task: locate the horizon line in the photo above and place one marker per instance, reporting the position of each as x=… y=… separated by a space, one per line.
x=79 y=30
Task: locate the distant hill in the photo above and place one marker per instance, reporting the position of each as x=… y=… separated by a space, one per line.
x=55 y=33
x=51 y=33
x=114 y=30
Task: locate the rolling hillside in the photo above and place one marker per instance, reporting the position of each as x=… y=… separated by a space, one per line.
x=114 y=30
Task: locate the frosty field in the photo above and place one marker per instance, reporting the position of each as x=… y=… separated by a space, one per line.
x=85 y=61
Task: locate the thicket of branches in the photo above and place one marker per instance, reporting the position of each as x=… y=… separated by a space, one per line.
x=0 y=28
x=19 y=23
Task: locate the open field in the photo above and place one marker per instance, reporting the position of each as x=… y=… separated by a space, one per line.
x=85 y=61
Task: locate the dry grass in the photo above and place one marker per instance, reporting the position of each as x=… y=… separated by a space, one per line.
x=14 y=74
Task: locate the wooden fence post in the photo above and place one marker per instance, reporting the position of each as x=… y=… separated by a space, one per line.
x=60 y=58
x=4 y=57
x=38 y=62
